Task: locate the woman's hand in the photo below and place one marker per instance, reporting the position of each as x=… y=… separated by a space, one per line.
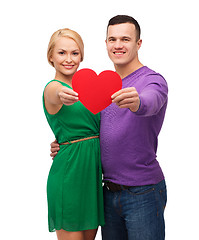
x=67 y=96
x=56 y=94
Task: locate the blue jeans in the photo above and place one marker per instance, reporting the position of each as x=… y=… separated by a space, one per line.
x=136 y=213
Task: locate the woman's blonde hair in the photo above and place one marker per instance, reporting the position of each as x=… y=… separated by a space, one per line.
x=65 y=32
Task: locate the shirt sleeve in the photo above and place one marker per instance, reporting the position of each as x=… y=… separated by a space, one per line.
x=153 y=96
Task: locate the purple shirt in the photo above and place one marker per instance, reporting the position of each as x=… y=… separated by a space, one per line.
x=129 y=140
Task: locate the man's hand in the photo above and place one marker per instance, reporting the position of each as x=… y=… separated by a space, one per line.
x=127 y=98
x=54 y=148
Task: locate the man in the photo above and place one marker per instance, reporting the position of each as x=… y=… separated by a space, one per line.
x=134 y=185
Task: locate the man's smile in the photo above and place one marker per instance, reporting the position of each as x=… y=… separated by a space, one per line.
x=119 y=52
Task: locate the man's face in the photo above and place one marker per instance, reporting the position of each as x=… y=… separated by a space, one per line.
x=121 y=43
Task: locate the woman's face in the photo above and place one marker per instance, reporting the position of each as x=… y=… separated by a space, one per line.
x=66 y=57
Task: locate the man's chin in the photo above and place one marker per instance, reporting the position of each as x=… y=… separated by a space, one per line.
x=119 y=63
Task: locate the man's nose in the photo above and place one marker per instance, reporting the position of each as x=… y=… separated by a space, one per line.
x=118 y=44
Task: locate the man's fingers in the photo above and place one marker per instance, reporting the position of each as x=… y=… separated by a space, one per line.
x=54 y=144
x=128 y=96
x=124 y=90
x=125 y=101
x=53 y=155
x=55 y=149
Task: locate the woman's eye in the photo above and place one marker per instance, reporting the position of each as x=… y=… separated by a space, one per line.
x=61 y=53
x=76 y=53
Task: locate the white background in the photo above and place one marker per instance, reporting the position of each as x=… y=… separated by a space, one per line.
x=170 y=46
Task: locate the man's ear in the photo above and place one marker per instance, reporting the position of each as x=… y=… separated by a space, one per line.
x=139 y=44
x=106 y=43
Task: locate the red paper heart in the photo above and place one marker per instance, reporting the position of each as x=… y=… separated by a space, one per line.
x=94 y=90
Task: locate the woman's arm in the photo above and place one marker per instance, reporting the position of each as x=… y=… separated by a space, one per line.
x=55 y=95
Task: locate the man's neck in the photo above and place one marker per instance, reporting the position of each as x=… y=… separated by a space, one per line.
x=125 y=70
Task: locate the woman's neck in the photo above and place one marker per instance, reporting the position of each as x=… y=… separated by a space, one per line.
x=64 y=78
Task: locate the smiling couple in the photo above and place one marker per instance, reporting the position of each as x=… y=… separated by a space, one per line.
x=120 y=142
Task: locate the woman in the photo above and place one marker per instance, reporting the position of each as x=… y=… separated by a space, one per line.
x=74 y=187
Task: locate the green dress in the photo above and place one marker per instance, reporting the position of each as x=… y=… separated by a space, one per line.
x=74 y=186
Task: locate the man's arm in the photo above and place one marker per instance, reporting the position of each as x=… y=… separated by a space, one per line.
x=148 y=102
x=152 y=98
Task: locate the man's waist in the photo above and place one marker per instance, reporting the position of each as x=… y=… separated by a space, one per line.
x=133 y=180
x=114 y=187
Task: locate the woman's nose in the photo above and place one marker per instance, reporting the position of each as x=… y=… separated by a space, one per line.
x=68 y=58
